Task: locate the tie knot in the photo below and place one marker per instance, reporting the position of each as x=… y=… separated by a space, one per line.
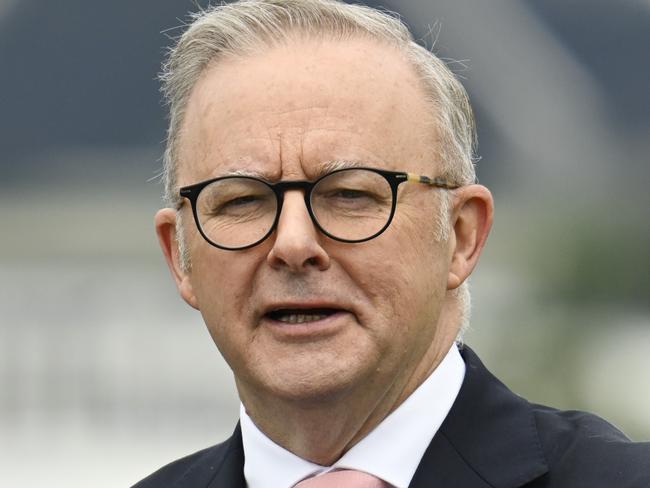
x=343 y=479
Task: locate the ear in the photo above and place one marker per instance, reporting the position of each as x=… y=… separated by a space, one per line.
x=473 y=210
x=165 y=222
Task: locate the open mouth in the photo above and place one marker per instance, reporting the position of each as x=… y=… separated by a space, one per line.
x=300 y=316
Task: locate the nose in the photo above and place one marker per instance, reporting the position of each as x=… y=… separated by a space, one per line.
x=296 y=246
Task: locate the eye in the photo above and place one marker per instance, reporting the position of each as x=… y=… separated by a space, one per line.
x=241 y=201
x=235 y=205
x=350 y=200
x=349 y=194
x=354 y=194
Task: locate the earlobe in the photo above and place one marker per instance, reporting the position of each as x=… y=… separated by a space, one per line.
x=472 y=219
x=187 y=292
x=165 y=223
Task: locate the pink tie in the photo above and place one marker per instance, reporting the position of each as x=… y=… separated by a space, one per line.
x=343 y=479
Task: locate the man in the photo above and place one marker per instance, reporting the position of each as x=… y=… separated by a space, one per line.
x=324 y=218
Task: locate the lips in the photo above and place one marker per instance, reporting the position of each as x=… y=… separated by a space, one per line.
x=301 y=315
x=306 y=320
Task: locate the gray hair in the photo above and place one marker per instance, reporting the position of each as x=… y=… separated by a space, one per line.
x=244 y=27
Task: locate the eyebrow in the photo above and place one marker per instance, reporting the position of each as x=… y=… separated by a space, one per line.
x=323 y=169
x=336 y=164
x=247 y=172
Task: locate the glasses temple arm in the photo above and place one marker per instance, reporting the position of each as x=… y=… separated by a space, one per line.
x=438 y=181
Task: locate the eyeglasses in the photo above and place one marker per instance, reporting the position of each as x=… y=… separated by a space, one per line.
x=348 y=205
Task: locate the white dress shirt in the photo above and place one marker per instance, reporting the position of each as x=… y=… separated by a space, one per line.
x=391 y=451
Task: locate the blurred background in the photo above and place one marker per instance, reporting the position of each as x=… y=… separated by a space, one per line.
x=105 y=374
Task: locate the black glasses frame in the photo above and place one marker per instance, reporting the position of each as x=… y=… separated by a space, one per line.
x=394 y=179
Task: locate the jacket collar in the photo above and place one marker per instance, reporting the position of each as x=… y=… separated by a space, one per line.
x=489 y=438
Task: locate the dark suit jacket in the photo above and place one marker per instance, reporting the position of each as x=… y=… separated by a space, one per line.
x=491 y=438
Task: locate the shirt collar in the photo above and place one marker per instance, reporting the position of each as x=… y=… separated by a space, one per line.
x=411 y=427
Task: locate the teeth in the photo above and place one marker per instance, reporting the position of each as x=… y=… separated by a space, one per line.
x=299 y=318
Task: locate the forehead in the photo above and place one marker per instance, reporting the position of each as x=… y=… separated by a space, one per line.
x=287 y=110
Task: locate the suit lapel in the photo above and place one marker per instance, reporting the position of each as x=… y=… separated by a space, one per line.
x=442 y=465
x=489 y=438
x=219 y=466
x=230 y=472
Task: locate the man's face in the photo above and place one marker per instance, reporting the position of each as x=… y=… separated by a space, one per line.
x=286 y=114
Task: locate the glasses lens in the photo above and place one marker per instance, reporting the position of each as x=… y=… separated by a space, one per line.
x=236 y=212
x=352 y=204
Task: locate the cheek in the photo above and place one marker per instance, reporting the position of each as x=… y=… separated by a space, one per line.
x=415 y=267
x=417 y=230
x=222 y=289
x=223 y=295
x=397 y=276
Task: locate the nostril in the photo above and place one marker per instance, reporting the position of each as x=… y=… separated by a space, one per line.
x=295 y=249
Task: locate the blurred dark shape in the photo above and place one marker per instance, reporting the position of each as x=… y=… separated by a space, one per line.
x=611 y=40
x=77 y=73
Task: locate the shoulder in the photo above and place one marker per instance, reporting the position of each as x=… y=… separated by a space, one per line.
x=201 y=468
x=508 y=440
x=580 y=446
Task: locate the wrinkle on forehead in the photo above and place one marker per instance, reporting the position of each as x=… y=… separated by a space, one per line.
x=295 y=107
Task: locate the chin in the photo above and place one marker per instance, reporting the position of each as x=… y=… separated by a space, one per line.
x=314 y=384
